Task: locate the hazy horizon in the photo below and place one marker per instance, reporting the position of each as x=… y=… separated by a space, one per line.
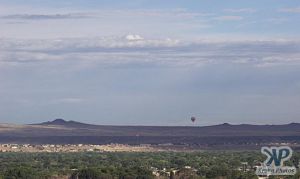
x=148 y=62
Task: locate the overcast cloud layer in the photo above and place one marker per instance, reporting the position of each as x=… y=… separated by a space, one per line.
x=141 y=63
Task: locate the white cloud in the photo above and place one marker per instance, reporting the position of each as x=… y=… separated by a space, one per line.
x=45 y=16
x=290 y=10
x=278 y=20
x=134 y=37
x=242 y=10
x=56 y=23
x=80 y=53
x=69 y=100
x=229 y=18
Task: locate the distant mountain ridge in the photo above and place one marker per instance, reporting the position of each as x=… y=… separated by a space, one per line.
x=224 y=129
x=65 y=123
x=62 y=131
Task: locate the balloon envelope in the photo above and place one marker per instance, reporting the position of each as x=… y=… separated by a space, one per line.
x=193 y=119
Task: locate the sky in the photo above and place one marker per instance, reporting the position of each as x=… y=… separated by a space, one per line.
x=150 y=62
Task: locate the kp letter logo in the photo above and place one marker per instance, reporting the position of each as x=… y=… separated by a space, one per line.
x=274 y=164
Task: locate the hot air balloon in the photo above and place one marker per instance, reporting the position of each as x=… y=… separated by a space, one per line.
x=193 y=119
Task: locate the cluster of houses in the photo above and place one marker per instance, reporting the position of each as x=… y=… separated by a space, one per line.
x=45 y=148
x=74 y=148
x=186 y=171
x=189 y=172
